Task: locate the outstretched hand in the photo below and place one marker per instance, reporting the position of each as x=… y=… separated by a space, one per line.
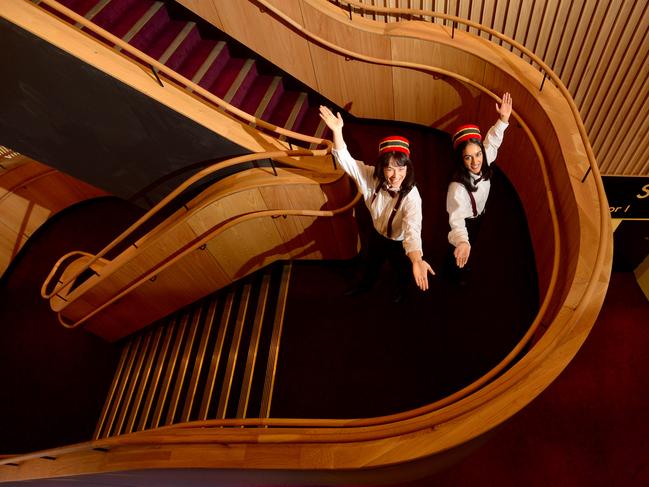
x=505 y=108
x=420 y=270
x=461 y=254
x=334 y=122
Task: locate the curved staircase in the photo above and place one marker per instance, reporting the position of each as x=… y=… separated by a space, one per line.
x=573 y=274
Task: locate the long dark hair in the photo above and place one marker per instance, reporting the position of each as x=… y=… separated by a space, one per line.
x=462 y=175
x=400 y=159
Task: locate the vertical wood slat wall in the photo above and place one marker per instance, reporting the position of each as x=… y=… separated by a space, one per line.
x=599 y=49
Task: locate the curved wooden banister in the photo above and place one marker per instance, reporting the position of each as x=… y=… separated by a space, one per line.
x=204 y=239
x=173 y=75
x=162 y=203
x=604 y=215
x=546 y=180
x=532 y=329
x=418 y=421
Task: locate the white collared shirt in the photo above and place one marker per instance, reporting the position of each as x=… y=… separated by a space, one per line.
x=406 y=224
x=458 y=201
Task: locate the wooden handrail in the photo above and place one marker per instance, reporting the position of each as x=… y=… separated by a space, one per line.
x=149 y=62
x=364 y=429
x=163 y=202
x=604 y=214
x=207 y=236
x=522 y=343
x=499 y=367
x=546 y=180
x=210 y=97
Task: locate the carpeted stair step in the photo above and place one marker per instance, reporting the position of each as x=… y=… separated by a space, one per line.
x=110 y=15
x=261 y=92
x=205 y=62
x=201 y=55
x=128 y=25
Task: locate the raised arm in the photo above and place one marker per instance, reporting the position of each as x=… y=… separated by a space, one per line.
x=505 y=108
x=335 y=124
x=495 y=135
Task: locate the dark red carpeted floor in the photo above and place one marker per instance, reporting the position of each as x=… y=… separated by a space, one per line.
x=590 y=428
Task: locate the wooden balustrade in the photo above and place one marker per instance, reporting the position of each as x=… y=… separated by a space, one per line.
x=568 y=218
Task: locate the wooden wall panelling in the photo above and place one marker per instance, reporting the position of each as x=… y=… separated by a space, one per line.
x=118 y=274
x=475 y=14
x=488 y=15
x=375 y=16
x=512 y=24
x=597 y=63
x=439 y=6
x=586 y=48
x=307 y=237
x=463 y=9
x=616 y=115
x=547 y=27
x=628 y=65
x=387 y=3
x=18 y=210
x=365 y=88
x=30 y=193
x=236 y=200
x=426 y=98
x=241 y=249
x=229 y=255
x=261 y=33
x=623 y=130
x=9 y=245
x=207 y=10
x=296 y=231
x=629 y=156
x=570 y=24
x=569 y=48
x=500 y=23
x=526 y=174
x=592 y=95
x=533 y=26
x=578 y=41
x=557 y=29
x=194 y=275
x=239 y=242
x=19 y=170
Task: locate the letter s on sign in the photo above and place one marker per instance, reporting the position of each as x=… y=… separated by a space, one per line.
x=645 y=188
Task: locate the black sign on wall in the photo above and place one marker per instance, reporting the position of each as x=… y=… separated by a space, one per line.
x=628 y=196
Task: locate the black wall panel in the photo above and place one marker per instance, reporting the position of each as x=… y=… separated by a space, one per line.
x=69 y=115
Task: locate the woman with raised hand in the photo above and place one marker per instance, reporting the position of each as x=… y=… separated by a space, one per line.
x=469 y=189
x=394 y=204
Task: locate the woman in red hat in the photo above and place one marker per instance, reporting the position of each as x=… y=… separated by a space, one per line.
x=394 y=203
x=469 y=189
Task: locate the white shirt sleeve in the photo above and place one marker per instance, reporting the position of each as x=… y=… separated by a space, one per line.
x=458 y=205
x=411 y=207
x=359 y=172
x=493 y=139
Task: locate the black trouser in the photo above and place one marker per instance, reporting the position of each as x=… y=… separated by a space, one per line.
x=380 y=249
